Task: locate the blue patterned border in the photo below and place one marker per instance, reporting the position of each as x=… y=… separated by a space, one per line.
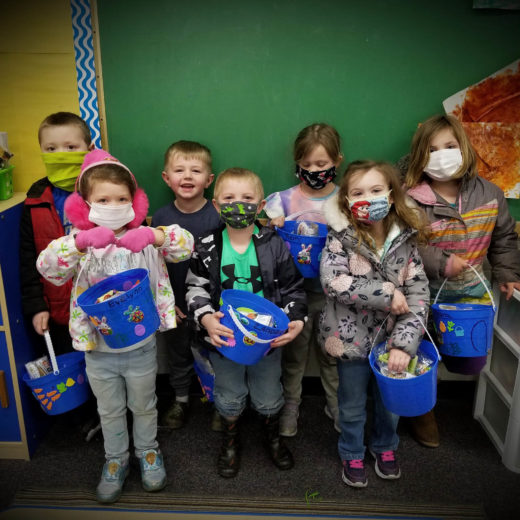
x=86 y=67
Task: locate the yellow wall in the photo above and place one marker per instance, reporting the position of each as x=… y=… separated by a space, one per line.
x=38 y=77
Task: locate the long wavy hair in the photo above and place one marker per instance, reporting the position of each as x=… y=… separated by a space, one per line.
x=403 y=211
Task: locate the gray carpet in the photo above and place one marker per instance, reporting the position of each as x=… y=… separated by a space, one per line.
x=463 y=478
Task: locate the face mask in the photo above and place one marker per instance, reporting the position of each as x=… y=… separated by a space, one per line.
x=316 y=180
x=443 y=164
x=63 y=168
x=111 y=217
x=371 y=209
x=238 y=215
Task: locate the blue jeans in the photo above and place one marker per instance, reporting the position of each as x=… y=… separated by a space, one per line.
x=233 y=382
x=122 y=380
x=355 y=377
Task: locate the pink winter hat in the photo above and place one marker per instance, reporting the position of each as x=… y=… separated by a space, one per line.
x=99 y=156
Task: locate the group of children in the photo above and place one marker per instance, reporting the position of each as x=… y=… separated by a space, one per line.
x=385 y=255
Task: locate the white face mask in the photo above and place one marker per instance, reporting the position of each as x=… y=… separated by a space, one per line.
x=111 y=217
x=443 y=164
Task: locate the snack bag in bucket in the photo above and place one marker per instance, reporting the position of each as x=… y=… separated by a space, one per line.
x=122 y=308
x=255 y=322
x=464 y=332
x=64 y=389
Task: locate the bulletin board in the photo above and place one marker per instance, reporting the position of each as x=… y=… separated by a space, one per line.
x=243 y=77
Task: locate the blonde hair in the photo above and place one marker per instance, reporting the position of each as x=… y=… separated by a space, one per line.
x=190 y=150
x=108 y=173
x=400 y=212
x=314 y=135
x=420 y=148
x=239 y=174
x=65 y=119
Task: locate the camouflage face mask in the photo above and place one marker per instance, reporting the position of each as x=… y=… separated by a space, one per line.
x=238 y=214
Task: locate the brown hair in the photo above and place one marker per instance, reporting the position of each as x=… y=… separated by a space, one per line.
x=420 y=148
x=400 y=212
x=64 y=119
x=189 y=149
x=239 y=174
x=105 y=172
x=314 y=135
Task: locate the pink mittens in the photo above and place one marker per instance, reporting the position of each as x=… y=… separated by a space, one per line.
x=96 y=237
x=137 y=239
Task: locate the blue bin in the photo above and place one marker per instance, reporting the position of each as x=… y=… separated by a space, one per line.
x=129 y=317
x=251 y=340
x=305 y=250
x=409 y=397
x=60 y=393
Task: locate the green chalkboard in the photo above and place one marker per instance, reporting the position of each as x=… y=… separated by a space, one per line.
x=244 y=76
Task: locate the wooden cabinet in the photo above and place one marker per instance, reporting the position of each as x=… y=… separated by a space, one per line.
x=497 y=403
x=22 y=422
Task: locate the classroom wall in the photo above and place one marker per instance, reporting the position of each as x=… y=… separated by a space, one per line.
x=244 y=77
x=38 y=77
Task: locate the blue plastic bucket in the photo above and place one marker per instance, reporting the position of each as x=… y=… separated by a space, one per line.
x=409 y=397
x=59 y=393
x=464 y=330
x=305 y=250
x=252 y=339
x=127 y=318
x=204 y=370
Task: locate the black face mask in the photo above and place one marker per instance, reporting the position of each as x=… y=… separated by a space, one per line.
x=316 y=180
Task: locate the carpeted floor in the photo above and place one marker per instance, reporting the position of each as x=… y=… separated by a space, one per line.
x=463 y=478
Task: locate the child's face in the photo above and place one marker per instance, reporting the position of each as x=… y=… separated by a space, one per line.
x=365 y=185
x=317 y=160
x=238 y=190
x=63 y=138
x=187 y=177
x=443 y=139
x=109 y=194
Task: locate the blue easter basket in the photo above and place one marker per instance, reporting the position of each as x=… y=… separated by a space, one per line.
x=127 y=318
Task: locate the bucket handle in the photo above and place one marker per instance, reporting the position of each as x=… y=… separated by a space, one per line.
x=52 y=355
x=297 y=214
x=243 y=330
x=424 y=327
x=482 y=281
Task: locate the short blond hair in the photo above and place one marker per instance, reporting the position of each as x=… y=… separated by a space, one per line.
x=65 y=119
x=190 y=150
x=420 y=148
x=239 y=174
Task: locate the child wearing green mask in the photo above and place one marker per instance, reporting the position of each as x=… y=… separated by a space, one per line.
x=64 y=141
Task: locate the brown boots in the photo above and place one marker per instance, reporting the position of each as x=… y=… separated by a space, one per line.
x=424 y=429
x=228 y=462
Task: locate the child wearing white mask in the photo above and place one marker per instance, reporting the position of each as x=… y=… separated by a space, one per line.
x=107 y=238
x=470 y=221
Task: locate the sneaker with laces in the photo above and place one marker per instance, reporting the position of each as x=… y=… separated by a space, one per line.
x=113 y=477
x=289 y=419
x=354 y=473
x=176 y=415
x=387 y=466
x=334 y=416
x=153 y=474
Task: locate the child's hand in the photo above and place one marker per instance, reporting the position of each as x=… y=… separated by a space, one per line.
x=398 y=360
x=97 y=238
x=454 y=266
x=295 y=327
x=399 y=305
x=277 y=221
x=179 y=315
x=508 y=288
x=211 y=322
x=40 y=322
x=137 y=239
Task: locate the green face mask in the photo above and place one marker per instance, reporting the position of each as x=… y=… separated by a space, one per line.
x=63 y=168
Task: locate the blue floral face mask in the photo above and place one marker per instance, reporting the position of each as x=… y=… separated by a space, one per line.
x=371 y=209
